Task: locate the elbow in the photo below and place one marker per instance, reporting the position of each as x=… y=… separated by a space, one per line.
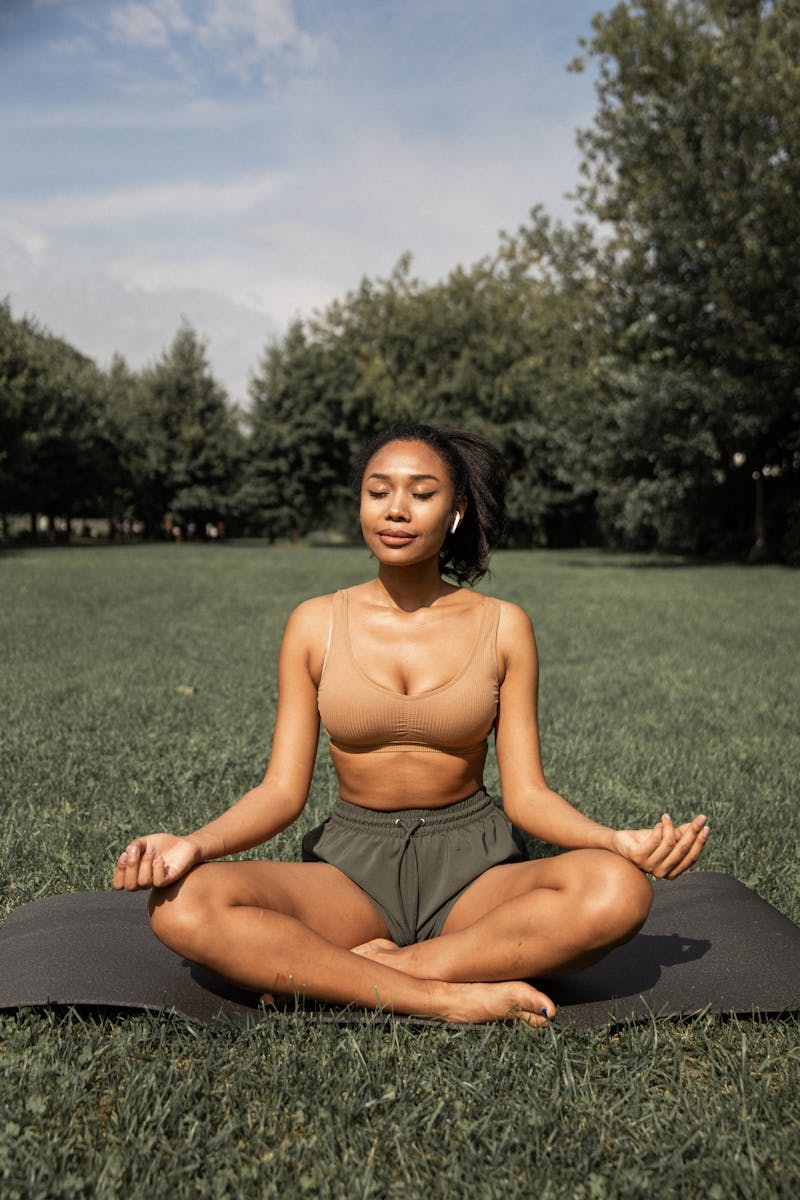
x=279 y=802
x=520 y=816
x=522 y=807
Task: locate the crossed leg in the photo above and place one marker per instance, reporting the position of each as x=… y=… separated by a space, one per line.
x=536 y=919
x=288 y=927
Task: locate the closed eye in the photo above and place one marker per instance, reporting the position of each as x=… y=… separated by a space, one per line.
x=415 y=495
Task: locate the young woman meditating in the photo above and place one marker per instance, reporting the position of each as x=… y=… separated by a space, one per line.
x=413 y=895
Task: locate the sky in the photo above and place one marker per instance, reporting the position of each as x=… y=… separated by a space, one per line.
x=239 y=163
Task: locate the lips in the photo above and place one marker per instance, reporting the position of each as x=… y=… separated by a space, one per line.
x=395 y=537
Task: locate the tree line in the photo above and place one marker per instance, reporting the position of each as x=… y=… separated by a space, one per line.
x=639 y=368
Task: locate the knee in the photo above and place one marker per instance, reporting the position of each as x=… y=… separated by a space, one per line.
x=620 y=896
x=178 y=914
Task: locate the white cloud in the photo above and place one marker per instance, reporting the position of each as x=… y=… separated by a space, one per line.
x=91 y=311
x=138 y=25
x=269 y=24
x=20 y=237
x=78 y=46
x=244 y=257
x=196 y=112
x=261 y=284
x=172 y=13
x=246 y=31
x=148 y=24
x=187 y=200
x=284 y=201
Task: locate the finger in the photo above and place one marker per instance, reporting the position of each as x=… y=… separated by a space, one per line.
x=696 y=824
x=692 y=856
x=676 y=857
x=690 y=829
x=161 y=872
x=666 y=843
x=686 y=852
x=133 y=859
x=669 y=835
x=651 y=851
x=642 y=852
x=118 y=881
x=145 y=878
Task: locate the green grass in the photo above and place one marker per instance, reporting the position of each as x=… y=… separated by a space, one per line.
x=663 y=686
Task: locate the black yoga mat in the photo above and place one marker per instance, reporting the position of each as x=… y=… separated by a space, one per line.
x=709 y=943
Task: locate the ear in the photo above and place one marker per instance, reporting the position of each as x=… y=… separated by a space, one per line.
x=457 y=518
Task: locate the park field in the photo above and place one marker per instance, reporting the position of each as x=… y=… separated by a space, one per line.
x=138 y=692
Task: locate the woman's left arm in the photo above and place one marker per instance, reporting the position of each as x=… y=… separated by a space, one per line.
x=665 y=850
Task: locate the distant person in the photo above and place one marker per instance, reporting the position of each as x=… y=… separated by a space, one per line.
x=414 y=894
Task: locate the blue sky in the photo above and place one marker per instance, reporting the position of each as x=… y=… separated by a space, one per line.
x=240 y=162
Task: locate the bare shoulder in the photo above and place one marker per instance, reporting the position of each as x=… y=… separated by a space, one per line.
x=305 y=639
x=311 y=612
x=310 y=622
x=514 y=622
x=515 y=638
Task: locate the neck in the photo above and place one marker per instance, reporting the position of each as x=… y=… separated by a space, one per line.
x=411 y=588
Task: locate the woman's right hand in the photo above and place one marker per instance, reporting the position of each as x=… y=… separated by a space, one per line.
x=154 y=861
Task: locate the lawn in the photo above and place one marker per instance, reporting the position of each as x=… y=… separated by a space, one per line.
x=138 y=691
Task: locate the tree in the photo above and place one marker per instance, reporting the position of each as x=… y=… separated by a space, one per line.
x=297 y=477
x=53 y=455
x=182 y=441
x=16 y=415
x=693 y=166
x=505 y=348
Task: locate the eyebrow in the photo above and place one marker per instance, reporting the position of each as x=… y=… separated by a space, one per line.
x=412 y=478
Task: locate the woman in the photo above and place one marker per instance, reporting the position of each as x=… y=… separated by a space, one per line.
x=414 y=895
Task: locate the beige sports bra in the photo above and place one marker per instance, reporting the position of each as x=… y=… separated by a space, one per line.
x=361 y=715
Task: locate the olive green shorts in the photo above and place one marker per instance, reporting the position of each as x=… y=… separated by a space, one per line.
x=414 y=863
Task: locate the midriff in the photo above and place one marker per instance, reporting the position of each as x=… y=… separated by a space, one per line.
x=407 y=778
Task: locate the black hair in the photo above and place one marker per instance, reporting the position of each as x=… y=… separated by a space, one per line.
x=476 y=469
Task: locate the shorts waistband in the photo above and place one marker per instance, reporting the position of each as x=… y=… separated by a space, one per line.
x=424 y=820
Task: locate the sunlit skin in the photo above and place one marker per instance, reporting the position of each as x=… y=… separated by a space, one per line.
x=306 y=927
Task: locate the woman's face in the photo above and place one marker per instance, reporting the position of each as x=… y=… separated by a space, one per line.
x=407 y=503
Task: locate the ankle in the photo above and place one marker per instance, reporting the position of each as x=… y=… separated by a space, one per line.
x=445 y=997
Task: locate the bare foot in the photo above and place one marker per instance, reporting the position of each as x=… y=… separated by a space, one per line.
x=526 y=1002
x=376 y=949
x=459 y=1003
x=483 y=1002
x=402 y=958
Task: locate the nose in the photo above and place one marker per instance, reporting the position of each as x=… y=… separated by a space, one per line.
x=397 y=510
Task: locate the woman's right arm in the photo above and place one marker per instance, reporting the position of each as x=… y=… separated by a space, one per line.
x=265 y=810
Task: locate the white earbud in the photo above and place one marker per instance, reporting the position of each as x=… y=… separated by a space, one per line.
x=456 y=520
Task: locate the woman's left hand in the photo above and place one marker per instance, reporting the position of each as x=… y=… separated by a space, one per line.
x=666 y=850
